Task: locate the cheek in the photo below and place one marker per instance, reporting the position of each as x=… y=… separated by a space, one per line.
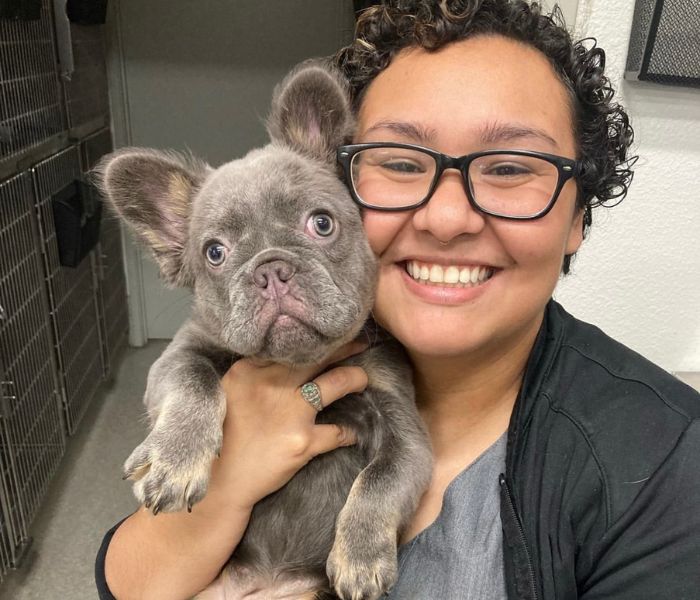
x=537 y=244
x=382 y=228
x=544 y=241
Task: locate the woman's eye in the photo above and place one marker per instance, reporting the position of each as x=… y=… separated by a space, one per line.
x=507 y=170
x=216 y=254
x=322 y=224
x=403 y=167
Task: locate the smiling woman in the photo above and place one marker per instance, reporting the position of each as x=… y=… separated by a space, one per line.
x=485 y=137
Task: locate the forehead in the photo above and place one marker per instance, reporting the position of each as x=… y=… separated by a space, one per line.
x=269 y=184
x=470 y=86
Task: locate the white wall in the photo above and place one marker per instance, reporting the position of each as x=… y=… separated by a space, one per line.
x=638 y=274
x=568 y=8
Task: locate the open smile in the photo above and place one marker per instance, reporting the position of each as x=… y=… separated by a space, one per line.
x=459 y=276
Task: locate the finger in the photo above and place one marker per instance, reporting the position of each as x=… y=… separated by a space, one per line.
x=330 y=437
x=339 y=382
x=259 y=362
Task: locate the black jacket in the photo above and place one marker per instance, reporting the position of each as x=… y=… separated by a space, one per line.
x=601 y=495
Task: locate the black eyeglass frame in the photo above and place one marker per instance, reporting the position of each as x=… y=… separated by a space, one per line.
x=567 y=168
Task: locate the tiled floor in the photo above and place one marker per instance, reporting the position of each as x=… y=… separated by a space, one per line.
x=87 y=496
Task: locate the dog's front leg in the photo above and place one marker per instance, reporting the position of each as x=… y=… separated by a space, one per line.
x=363 y=562
x=187 y=407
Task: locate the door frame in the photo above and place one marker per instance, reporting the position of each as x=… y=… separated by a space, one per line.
x=122 y=136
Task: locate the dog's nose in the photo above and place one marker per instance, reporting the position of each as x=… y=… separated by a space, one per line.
x=273 y=272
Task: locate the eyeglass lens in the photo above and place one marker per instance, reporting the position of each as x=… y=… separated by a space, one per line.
x=505 y=184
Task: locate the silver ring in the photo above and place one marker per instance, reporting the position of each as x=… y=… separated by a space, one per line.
x=312 y=394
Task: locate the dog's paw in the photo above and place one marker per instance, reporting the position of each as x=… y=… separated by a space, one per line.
x=362 y=564
x=170 y=470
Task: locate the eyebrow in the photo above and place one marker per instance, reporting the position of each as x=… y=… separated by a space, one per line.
x=489 y=134
x=503 y=132
x=413 y=131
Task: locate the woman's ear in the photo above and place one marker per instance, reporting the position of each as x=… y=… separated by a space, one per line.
x=575 y=239
x=153 y=191
x=311 y=111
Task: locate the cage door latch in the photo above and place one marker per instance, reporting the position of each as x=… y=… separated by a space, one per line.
x=7 y=398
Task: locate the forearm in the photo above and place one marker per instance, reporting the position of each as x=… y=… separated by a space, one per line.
x=173 y=555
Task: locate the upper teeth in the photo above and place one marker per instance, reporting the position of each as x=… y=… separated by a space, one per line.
x=448 y=274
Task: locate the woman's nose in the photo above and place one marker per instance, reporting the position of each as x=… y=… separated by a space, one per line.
x=448 y=213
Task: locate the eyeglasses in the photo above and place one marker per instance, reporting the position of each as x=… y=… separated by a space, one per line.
x=512 y=184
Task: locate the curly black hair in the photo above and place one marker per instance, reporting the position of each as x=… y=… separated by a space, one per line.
x=602 y=129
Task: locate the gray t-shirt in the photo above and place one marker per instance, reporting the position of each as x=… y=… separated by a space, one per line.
x=460 y=555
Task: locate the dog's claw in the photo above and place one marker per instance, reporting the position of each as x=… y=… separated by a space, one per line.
x=364 y=570
x=167 y=479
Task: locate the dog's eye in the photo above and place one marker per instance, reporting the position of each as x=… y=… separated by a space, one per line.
x=216 y=254
x=322 y=224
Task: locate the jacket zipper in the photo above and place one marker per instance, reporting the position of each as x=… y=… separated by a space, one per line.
x=523 y=541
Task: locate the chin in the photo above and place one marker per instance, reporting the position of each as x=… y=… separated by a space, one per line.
x=451 y=339
x=438 y=349
x=295 y=343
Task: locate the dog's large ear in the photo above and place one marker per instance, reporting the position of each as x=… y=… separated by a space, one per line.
x=152 y=191
x=311 y=110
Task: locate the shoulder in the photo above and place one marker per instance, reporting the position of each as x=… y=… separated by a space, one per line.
x=591 y=365
x=627 y=414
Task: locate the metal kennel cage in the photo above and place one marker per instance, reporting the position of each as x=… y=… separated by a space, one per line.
x=72 y=293
x=32 y=439
x=61 y=327
x=111 y=280
x=87 y=98
x=31 y=103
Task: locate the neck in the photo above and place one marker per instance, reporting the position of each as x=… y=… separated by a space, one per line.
x=468 y=400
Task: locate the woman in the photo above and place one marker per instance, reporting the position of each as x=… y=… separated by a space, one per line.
x=565 y=464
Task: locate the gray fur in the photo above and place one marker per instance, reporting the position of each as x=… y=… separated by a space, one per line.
x=338 y=519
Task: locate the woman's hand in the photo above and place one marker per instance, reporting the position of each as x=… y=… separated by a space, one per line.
x=270 y=431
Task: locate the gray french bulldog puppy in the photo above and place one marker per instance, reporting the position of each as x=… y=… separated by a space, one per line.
x=273 y=247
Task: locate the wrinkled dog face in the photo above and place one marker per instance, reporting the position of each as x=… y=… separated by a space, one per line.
x=281 y=264
x=271 y=243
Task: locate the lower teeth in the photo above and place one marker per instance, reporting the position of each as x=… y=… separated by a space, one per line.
x=455 y=285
